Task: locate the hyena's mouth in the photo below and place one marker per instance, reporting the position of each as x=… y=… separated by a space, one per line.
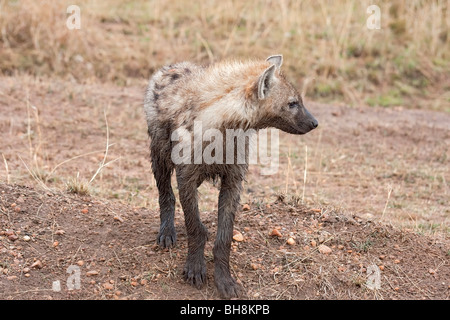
x=308 y=125
x=299 y=129
x=312 y=125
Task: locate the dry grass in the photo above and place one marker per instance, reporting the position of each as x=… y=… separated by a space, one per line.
x=78 y=185
x=325 y=43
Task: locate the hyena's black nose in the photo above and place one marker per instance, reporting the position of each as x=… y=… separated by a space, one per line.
x=314 y=123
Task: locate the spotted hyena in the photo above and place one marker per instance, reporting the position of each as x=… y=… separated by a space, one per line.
x=226 y=95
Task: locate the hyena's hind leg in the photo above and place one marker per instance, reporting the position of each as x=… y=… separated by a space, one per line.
x=162 y=170
x=231 y=187
x=195 y=268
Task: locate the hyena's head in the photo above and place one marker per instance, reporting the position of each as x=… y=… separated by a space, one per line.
x=282 y=104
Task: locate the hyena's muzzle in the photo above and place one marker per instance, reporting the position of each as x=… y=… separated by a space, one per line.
x=297 y=121
x=309 y=122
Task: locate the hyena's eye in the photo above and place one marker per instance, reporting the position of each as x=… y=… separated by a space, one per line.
x=293 y=104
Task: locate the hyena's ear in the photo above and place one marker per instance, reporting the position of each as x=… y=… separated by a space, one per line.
x=277 y=60
x=265 y=82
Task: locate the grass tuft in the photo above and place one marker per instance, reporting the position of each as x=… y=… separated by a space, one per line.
x=78 y=186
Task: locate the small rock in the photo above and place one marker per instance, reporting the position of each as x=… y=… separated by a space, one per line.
x=313 y=243
x=108 y=286
x=59 y=232
x=246 y=207
x=396 y=261
x=55 y=244
x=37 y=264
x=238 y=236
x=431 y=271
x=117 y=218
x=276 y=233
x=26 y=270
x=13 y=237
x=11 y=278
x=381 y=267
x=26 y=238
x=254 y=266
x=324 y=249
x=80 y=263
x=290 y=241
x=92 y=273
x=85 y=210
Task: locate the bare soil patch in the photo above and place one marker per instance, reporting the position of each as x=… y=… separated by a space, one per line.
x=43 y=234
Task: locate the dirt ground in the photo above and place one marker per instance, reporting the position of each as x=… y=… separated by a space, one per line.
x=375 y=196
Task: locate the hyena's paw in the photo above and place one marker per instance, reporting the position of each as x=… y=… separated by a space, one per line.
x=195 y=273
x=167 y=238
x=228 y=287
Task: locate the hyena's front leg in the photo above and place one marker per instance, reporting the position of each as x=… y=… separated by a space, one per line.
x=228 y=203
x=195 y=267
x=162 y=171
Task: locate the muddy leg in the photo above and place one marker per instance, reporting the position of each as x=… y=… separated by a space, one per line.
x=162 y=171
x=195 y=267
x=228 y=203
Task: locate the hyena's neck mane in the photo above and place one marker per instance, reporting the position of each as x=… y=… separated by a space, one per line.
x=227 y=94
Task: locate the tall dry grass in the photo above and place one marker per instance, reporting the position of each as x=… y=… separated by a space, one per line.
x=326 y=44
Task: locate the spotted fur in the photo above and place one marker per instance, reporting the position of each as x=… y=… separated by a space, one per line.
x=244 y=95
